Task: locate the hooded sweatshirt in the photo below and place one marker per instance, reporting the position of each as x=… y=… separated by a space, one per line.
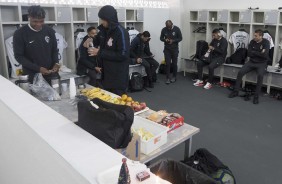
x=114 y=50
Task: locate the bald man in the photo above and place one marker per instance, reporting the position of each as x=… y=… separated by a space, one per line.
x=171 y=36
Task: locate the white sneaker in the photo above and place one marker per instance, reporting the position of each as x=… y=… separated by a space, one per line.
x=198 y=83
x=208 y=86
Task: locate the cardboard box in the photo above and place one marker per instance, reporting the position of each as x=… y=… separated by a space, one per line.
x=132 y=151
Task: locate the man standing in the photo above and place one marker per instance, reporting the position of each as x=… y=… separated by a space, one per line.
x=141 y=54
x=114 y=51
x=35 y=46
x=214 y=57
x=258 y=53
x=171 y=36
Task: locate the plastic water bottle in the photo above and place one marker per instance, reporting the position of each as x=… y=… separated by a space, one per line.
x=72 y=88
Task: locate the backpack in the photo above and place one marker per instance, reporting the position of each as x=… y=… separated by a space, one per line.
x=162 y=69
x=201 y=48
x=209 y=164
x=136 y=82
x=238 y=57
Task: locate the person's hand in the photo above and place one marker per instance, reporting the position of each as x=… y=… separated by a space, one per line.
x=55 y=68
x=167 y=40
x=211 y=48
x=87 y=42
x=98 y=69
x=170 y=41
x=44 y=71
x=139 y=60
x=92 y=51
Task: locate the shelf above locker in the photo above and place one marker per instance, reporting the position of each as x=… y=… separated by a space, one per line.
x=130 y=15
x=258 y=17
x=12 y=23
x=9 y=14
x=79 y=22
x=78 y=14
x=234 y=16
x=193 y=15
x=213 y=16
x=92 y=14
x=50 y=13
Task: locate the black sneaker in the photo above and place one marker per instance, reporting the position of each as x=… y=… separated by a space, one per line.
x=233 y=94
x=167 y=81
x=256 y=99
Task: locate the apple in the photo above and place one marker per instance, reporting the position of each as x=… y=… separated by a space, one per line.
x=143 y=105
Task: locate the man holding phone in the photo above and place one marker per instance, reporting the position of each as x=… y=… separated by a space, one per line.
x=214 y=57
x=140 y=54
x=171 y=36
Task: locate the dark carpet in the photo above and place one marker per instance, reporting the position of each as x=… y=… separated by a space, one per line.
x=245 y=137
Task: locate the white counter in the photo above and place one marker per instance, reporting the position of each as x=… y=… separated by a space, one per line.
x=38 y=145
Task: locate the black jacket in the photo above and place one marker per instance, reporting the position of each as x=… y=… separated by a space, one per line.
x=85 y=61
x=139 y=49
x=220 y=48
x=35 y=49
x=255 y=51
x=114 y=51
x=174 y=34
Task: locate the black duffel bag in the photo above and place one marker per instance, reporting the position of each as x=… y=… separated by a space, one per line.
x=110 y=123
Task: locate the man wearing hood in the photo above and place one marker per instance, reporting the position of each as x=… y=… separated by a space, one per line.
x=113 y=51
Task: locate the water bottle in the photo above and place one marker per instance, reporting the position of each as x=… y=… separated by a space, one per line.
x=72 y=88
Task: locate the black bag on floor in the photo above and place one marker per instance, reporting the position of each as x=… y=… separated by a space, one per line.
x=162 y=69
x=238 y=57
x=110 y=123
x=136 y=82
x=207 y=163
x=179 y=173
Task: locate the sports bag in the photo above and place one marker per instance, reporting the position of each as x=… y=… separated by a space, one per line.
x=111 y=123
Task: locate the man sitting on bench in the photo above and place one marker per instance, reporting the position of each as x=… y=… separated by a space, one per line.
x=258 y=53
x=140 y=54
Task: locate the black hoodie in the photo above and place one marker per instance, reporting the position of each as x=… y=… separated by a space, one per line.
x=114 y=50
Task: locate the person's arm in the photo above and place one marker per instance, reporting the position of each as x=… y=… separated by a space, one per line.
x=222 y=48
x=265 y=51
x=122 y=50
x=18 y=46
x=178 y=36
x=147 y=49
x=162 y=37
x=133 y=48
x=83 y=56
x=54 y=56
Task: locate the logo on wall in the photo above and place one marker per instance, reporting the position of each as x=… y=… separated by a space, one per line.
x=47 y=39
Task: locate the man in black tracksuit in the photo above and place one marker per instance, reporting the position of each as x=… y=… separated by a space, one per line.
x=89 y=65
x=214 y=57
x=258 y=53
x=141 y=54
x=171 y=36
x=114 y=51
x=35 y=47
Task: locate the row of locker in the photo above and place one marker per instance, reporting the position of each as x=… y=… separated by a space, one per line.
x=15 y=13
x=65 y=21
x=268 y=17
